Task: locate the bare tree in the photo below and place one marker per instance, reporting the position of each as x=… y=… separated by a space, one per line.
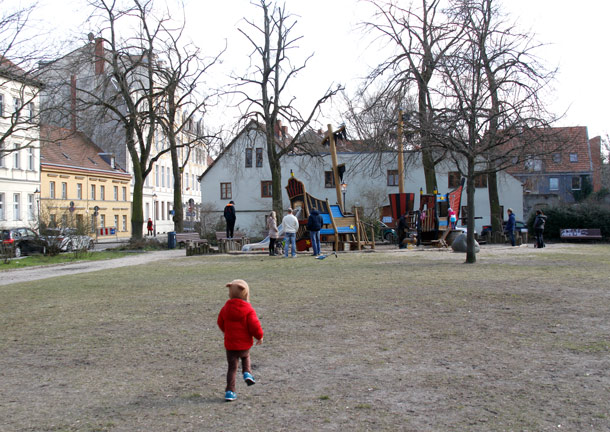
x=271 y=73
x=422 y=38
x=18 y=56
x=492 y=92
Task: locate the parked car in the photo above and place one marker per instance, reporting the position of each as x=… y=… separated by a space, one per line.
x=24 y=241
x=67 y=239
x=387 y=233
x=520 y=227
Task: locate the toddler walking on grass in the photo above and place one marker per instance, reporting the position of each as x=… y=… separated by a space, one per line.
x=238 y=321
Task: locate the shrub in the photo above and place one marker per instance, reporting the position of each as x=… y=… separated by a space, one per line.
x=585 y=215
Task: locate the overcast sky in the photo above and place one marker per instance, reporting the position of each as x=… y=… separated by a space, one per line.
x=575 y=33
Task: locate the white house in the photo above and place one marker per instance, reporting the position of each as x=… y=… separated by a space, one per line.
x=241 y=173
x=19 y=147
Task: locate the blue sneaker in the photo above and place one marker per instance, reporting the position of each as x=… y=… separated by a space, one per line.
x=230 y=396
x=249 y=378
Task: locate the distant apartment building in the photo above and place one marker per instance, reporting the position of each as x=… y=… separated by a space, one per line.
x=83 y=187
x=19 y=146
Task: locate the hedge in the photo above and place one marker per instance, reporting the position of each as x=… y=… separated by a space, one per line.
x=586 y=215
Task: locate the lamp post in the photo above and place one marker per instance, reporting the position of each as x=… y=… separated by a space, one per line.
x=155 y=214
x=37 y=195
x=344 y=189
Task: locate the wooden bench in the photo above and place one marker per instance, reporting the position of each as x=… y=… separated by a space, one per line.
x=580 y=234
x=231 y=244
x=188 y=237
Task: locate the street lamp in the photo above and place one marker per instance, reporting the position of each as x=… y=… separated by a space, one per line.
x=344 y=189
x=155 y=214
x=37 y=195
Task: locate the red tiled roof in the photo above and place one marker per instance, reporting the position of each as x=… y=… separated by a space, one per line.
x=62 y=147
x=568 y=150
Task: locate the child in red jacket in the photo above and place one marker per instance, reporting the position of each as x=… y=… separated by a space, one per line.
x=238 y=321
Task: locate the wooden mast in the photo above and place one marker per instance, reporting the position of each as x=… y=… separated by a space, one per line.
x=333 y=154
x=401 y=176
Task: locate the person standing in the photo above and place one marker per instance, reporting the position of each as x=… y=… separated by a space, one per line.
x=314 y=225
x=539 y=222
x=272 y=232
x=230 y=218
x=149 y=226
x=452 y=218
x=291 y=225
x=401 y=230
x=240 y=324
x=510 y=226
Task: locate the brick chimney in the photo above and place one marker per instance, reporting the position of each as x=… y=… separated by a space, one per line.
x=99 y=56
x=277 y=130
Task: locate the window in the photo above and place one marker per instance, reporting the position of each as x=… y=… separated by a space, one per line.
x=266 y=189
x=329 y=179
x=533 y=164
x=31 y=165
x=480 y=181
x=162 y=177
x=64 y=220
x=259 y=157
x=575 y=183
x=573 y=157
x=93 y=223
x=79 y=191
x=92 y=192
x=162 y=210
x=116 y=222
x=17 y=105
x=16 y=207
x=31 y=207
x=17 y=157
x=124 y=193
x=453 y=179
x=64 y=190
x=31 y=111
x=116 y=193
x=553 y=183
x=1 y=206
x=125 y=222
x=102 y=192
x=156 y=176
x=556 y=158
x=392 y=179
x=102 y=221
x=1 y=105
x=52 y=190
x=1 y=157
x=225 y=191
x=248 y=158
x=168 y=177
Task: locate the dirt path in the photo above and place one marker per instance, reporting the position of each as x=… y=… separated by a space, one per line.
x=44 y=272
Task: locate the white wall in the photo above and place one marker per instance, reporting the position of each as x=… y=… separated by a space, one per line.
x=366 y=180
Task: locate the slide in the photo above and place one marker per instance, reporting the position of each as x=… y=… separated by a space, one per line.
x=261 y=245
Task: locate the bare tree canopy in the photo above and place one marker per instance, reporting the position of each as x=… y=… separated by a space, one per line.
x=264 y=88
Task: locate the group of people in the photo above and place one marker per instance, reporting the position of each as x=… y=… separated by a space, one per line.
x=290 y=227
x=539 y=223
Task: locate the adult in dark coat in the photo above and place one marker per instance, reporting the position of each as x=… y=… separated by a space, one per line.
x=230 y=217
x=314 y=225
x=539 y=228
x=401 y=229
x=510 y=226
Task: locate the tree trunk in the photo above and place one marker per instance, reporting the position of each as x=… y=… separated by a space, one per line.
x=177 y=171
x=137 y=216
x=494 y=202
x=276 y=185
x=471 y=256
x=429 y=170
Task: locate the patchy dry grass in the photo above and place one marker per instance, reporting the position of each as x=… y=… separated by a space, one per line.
x=414 y=341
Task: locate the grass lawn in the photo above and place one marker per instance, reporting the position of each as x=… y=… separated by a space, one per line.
x=409 y=340
x=71 y=257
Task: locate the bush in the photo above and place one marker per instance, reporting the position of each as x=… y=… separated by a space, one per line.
x=586 y=215
x=143 y=244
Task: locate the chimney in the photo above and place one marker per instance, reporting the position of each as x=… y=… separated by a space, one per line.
x=99 y=56
x=278 y=129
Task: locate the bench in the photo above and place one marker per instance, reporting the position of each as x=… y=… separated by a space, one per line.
x=188 y=237
x=231 y=244
x=580 y=234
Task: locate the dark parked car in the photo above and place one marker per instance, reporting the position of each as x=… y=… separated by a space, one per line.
x=520 y=227
x=387 y=233
x=24 y=241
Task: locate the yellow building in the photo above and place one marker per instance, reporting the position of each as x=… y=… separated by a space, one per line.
x=81 y=186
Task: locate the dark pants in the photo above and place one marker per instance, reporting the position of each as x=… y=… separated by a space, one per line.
x=233 y=360
x=539 y=238
x=230 y=226
x=511 y=237
x=272 y=246
x=315 y=241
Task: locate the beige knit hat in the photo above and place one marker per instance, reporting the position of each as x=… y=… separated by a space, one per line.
x=242 y=286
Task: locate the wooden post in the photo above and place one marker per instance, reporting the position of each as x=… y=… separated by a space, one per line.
x=333 y=154
x=401 y=175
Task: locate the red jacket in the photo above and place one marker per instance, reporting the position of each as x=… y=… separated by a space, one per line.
x=238 y=320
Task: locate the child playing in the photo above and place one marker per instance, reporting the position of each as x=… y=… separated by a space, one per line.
x=238 y=321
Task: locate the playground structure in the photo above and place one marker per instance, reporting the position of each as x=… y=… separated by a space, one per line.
x=431 y=221
x=338 y=228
